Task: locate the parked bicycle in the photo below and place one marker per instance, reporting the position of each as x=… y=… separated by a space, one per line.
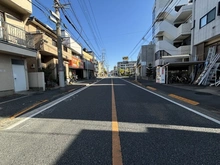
x=73 y=79
x=184 y=79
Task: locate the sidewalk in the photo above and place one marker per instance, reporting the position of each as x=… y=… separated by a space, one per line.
x=197 y=88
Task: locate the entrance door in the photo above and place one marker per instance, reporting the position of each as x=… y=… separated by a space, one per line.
x=19 y=75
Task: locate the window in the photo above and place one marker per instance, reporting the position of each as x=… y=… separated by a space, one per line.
x=65 y=48
x=54 y=43
x=209 y=17
x=203 y=21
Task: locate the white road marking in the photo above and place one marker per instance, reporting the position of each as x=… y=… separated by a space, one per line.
x=47 y=106
x=183 y=106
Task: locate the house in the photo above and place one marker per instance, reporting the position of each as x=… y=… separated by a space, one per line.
x=15 y=46
x=45 y=41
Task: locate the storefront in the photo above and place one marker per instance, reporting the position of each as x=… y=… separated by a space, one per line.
x=76 y=66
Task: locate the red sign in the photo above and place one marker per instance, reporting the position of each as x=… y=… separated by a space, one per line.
x=76 y=63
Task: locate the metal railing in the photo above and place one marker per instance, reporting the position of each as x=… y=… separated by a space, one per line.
x=15 y=35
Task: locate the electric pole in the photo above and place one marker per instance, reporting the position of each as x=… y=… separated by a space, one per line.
x=59 y=43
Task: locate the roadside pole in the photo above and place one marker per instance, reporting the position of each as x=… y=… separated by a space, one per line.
x=59 y=44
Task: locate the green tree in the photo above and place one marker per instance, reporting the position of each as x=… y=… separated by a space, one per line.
x=121 y=71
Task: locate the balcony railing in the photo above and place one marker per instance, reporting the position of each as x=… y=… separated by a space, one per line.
x=15 y=35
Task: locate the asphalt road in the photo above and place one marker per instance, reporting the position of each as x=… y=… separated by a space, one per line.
x=111 y=122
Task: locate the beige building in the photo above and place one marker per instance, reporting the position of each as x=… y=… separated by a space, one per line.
x=45 y=41
x=15 y=48
x=89 y=66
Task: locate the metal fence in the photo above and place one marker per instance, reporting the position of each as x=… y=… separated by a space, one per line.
x=15 y=35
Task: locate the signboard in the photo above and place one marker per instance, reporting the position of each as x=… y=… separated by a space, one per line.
x=160 y=75
x=76 y=63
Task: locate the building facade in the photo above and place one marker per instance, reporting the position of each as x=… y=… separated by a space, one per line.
x=171 y=30
x=205 y=35
x=45 y=41
x=76 y=63
x=126 y=68
x=206 y=28
x=145 y=59
x=15 y=46
x=89 y=66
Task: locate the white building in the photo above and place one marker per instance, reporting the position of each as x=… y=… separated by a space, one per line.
x=171 y=31
x=126 y=68
x=206 y=34
x=206 y=29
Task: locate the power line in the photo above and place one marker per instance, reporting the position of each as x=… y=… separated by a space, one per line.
x=163 y=10
x=67 y=18
x=83 y=7
x=76 y=30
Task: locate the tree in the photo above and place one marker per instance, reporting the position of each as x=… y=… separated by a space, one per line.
x=149 y=72
x=121 y=71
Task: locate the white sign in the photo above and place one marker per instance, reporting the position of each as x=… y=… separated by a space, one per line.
x=143 y=63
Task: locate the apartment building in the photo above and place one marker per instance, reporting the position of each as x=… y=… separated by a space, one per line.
x=145 y=58
x=15 y=46
x=171 y=31
x=126 y=68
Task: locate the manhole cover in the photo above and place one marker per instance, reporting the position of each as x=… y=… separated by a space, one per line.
x=202 y=93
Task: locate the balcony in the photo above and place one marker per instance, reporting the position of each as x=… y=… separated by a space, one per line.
x=48 y=47
x=22 y=8
x=160 y=16
x=185 y=49
x=183 y=14
x=164 y=27
x=15 y=40
x=166 y=46
x=183 y=31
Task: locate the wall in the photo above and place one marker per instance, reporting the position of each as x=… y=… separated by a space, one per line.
x=202 y=7
x=36 y=80
x=87 y=56
x=26 y=4
x=6 y=74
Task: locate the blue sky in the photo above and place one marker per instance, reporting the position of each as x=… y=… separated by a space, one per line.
x=110 y=27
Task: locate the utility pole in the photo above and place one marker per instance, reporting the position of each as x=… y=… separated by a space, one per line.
x=103 y=61
x=59 y=43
